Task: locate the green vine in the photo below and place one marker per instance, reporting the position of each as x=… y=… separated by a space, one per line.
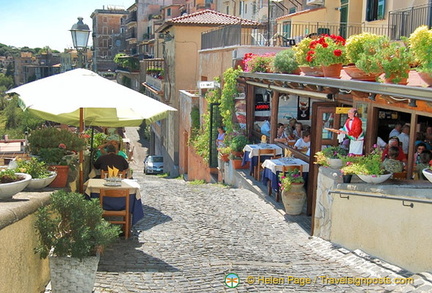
x=229 y=92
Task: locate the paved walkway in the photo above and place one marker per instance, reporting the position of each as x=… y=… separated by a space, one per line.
x=193 y=236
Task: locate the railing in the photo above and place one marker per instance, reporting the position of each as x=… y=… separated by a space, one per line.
x=405 y=21
x=155 y=72
x=131 y=34
x=132 y=17
x=233 y=35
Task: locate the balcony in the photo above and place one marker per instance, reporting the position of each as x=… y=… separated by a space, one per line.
x=405 y=21
x=132 y=17
x=155 y=73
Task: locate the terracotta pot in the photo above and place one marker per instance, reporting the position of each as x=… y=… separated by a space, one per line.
x=333 y=71
x=294 y=199
x=224 y=157
x=403 y=81
x=312 y=71
x=358 y=74
x=426 y=77
x=237 y=164
x=62 y=176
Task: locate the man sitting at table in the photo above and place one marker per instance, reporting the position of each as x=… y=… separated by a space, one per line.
x=303 y=144
x=111 y=159
x=281 y=135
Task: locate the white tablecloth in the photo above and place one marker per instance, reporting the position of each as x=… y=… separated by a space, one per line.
x=94 y=185
x=253 y=149
x=277 y=164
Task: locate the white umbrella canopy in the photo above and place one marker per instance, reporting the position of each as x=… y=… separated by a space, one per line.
x=61 y=98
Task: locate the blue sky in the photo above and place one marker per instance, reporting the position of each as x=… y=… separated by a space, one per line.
x=35 y=23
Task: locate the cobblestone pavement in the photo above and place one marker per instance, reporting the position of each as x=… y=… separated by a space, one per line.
x=193 y=236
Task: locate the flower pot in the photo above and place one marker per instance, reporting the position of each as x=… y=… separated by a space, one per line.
x=428 y=174
x=346 y=178
x=333 y=71
x=374 y=179
x=426 y=77
x=237 y=164
x=39 y=183
x=335 y=163
x=70 y=274
x=358 y=74
x=294 y=199
x=62 y=176
x=7 y=190
x=312 y=71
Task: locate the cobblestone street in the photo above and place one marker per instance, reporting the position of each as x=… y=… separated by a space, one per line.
x=193 y=236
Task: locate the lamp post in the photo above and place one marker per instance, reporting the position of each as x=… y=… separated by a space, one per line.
x=80 y=34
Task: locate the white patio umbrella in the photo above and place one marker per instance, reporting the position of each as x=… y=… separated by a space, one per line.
x=81 y=97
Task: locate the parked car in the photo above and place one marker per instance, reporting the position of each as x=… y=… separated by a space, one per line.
x=153 y=165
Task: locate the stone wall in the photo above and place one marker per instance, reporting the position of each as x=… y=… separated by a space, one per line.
x=377 y=218
x=22 y=269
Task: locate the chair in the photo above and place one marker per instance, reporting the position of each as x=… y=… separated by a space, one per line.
x=400 y=175
x=123 y=173
x=287 y=152
x=124 y=214
x=265 y=153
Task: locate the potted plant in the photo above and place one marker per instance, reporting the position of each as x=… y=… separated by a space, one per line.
x=396 y=60
x=224 y=153
x=331 y=156
x=41 y=176
x=309 y=66
x=329 y=52
x=359 y=49
x=348 y=168
x=59 y=152
x=12 y=182
x=420 y=44
x=369 y=167
x=71 y=233
x=293 y=193
x=259 y=63
x=237 y=144
x=285 y=62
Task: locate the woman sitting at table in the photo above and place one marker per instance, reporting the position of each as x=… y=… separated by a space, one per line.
x=281 y=135
x=303 y=144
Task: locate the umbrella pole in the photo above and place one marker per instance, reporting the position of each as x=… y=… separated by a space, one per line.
x=81 y=154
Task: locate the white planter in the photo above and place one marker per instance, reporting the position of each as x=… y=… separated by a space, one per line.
x=374 y=179
x=335 y=163
x=428 y=174
x=40 y=183
x=7 y=190
x=70 y=274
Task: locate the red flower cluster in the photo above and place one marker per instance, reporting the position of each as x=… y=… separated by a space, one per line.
x=326 y=42
x=62 y=146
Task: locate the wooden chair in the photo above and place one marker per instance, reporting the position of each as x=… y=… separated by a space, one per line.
x=287 y=152
x=400 y=175
x=124 y=173
x=124 y=214
x=268 y=154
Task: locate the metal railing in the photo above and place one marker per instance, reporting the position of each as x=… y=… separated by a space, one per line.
x=233 y=35
x=132 y=17
x=405 y=21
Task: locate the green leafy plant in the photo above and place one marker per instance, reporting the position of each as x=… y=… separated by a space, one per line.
x=370 y=164
x=285 y=61
x=361 y=45
x=72 y=226
x=395 y=59
x=37 y=169
x=238 y=142
x=9 y=175
x=332 y=152
x=290 y=177
x=327 y=50
x=420 y=44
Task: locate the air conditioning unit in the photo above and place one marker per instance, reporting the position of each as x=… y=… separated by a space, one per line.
x=314 y=2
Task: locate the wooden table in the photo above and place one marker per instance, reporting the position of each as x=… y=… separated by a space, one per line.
x=93 y=187
x=251 y=153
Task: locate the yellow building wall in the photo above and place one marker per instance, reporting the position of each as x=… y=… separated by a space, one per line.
x=22 y=269
x=401 y=235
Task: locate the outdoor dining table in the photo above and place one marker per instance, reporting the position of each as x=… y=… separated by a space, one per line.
x=273 y=167
x=251 y=153
x=93 y=187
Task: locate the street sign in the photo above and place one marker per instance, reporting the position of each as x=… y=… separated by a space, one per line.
x=207 y=84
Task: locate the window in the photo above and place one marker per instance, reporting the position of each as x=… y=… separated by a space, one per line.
x=105 y=30
x=375 y=10
x=169 y=12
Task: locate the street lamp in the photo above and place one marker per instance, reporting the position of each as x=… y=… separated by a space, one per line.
x=80 y=34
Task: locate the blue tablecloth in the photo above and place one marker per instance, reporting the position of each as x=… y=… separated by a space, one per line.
x=253 y=161
x=113 y=204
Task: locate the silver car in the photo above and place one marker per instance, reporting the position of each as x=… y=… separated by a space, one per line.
x=153 y=165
